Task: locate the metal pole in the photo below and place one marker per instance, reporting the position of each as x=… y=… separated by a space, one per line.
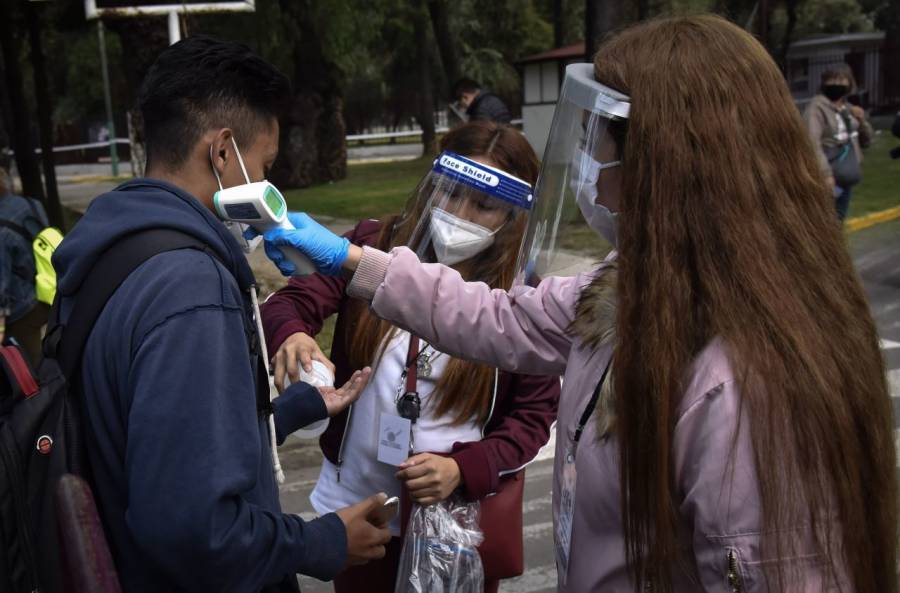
x=107 y=97
x=174 y=28
x=764 y=23
x=590 y=29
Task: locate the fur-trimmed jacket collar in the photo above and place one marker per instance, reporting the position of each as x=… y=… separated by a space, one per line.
x=595 y=325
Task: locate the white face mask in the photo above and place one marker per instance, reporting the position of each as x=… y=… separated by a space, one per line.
x=585 y=171
x=456 y=239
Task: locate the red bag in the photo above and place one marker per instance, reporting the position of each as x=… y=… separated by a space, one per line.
x=502 y=551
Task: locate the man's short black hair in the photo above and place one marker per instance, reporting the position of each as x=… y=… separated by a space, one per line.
x=465 y=85
x=200 y=83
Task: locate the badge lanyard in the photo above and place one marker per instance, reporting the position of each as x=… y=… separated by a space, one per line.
x=589 y=410
x=566 y=513
x=409 y=404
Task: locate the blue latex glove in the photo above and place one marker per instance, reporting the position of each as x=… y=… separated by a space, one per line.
x=326 y=250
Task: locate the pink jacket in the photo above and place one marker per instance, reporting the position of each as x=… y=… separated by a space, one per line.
x=525 y=330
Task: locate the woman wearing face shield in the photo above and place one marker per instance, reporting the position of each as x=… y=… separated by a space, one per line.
x=474 y=427
x=724 y=423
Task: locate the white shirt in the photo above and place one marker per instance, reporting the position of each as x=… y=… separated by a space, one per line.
x=361 y=473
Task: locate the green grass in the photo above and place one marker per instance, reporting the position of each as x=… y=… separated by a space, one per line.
x=370 y=190
x=880 y=185
x=326 y=336
x=122 y=178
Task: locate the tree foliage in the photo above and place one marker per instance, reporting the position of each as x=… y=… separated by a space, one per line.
x=356 y=64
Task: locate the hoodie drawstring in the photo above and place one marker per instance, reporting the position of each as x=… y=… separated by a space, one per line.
x=276 y=462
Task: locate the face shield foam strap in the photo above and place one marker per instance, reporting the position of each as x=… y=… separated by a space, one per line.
x=582 y=89
x=485 y=179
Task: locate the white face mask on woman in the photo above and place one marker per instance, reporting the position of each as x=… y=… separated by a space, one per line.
x=585 y=171
x=456 y=239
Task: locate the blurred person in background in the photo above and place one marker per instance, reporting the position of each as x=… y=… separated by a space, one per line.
x=479 y=104
x=22 y=317
x=839 y=131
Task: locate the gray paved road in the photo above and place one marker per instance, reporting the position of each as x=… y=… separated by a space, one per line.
x=876 y=253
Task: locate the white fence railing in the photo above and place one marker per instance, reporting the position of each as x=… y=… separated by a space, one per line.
x=361 y=138
x=88 y=146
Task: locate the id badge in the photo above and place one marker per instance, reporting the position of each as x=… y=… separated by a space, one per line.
x=566 y=515
x=393 y=439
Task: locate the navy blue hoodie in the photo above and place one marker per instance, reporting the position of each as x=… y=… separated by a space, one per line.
x=180 y=456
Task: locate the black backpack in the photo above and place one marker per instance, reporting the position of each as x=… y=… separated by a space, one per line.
x=40 y=418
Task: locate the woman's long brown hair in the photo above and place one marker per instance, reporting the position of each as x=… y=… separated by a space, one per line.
x=468 y=383
x=728 y=230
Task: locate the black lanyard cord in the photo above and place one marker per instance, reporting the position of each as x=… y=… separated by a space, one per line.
x=589 y=410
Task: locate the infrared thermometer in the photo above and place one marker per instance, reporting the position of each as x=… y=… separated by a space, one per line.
x=261 y=206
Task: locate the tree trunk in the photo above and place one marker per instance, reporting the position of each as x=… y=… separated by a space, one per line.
x=425 y=110
x=791 y=7
x=45 y=117
x=602 y=18
x=142 y=39
x=313 y=144
x=887 y=19
x=138 y=147
x=5 y=127
x=763 y=23
x=559 y=29
x=26 y=161
x=446 y=44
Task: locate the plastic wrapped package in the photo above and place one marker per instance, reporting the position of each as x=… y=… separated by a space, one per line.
x=440 y=551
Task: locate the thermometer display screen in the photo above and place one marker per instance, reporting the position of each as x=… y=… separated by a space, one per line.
x=244 y=211
x=274 y=201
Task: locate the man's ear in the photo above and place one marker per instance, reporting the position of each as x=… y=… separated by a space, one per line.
x=221 y=150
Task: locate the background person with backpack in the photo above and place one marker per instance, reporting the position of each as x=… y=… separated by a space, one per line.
x=839 y=131
x=22 y=315
x=479 y=103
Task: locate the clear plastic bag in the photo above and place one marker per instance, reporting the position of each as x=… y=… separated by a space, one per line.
x=440 y=552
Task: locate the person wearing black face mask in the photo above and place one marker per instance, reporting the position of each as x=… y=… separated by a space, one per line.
x=839 y=132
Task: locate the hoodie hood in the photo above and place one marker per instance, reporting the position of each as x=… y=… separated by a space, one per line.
x=138 y=205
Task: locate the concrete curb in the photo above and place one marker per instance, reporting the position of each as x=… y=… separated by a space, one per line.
x=864 y=222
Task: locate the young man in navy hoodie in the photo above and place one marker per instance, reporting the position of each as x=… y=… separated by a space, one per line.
x=179 y=452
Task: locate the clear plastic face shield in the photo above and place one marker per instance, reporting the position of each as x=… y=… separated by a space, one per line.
x=468 y=212
x=580 y=179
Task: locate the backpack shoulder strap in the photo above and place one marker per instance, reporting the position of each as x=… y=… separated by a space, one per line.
x=32 y=204
x=106 y=275
x=17 y=229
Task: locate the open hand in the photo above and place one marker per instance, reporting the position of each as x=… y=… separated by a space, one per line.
x=337 y=400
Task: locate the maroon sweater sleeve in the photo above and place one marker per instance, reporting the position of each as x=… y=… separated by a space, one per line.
x=518 y=429
x=307 y=301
